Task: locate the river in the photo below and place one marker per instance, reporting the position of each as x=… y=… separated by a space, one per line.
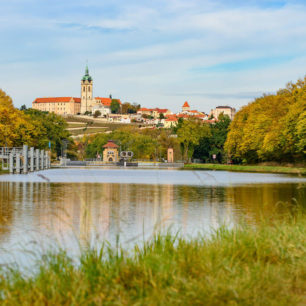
x=73 y=208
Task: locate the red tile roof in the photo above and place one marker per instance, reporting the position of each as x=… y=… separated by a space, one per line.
x=106 y=101
x=161 y=111
x=57 y=100
x=110 y=144
x=143 y=109
x=186 y=104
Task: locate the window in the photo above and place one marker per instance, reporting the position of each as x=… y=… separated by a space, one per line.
x=89 y=88
x=84 y=88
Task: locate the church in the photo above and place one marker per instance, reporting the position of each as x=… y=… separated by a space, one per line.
x=74 y=105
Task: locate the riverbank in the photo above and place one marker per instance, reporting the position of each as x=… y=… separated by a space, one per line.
x=249 y=168
x=262 y=266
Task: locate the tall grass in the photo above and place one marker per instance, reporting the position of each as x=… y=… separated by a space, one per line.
x=262 y=265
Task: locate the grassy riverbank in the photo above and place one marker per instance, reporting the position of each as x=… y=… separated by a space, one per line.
x=242 y=168
x=246 y=266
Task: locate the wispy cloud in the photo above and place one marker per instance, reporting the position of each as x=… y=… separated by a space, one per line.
x=206 y=51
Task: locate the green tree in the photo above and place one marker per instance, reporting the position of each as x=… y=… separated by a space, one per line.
x=97 y=114
x=189 y=135
x=213 y=144
x=115 y=106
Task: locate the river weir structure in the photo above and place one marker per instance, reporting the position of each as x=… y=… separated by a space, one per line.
x=24 y=159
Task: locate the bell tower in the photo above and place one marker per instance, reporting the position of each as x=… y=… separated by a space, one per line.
x=86 y=92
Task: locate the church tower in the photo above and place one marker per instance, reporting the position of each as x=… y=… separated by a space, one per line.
x=87 y=99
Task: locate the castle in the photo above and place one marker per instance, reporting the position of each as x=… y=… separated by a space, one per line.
x=72 y=105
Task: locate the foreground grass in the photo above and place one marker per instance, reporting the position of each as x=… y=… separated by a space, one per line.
x=245 y=266
x=241 y=168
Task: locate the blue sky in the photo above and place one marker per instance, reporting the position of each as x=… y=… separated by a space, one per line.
x=157 y=53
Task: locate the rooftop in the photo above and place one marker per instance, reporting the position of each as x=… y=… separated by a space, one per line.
x=110 y=144
x=57 y=100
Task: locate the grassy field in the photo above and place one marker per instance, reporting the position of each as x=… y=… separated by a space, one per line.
x=242 y=168
x=265 y=265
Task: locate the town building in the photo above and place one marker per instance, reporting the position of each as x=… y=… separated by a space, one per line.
x=154 y=112
x=226 y=110
x=170 y=122
x=58 y=105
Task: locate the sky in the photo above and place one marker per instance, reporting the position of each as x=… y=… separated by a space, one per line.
x=157 y=53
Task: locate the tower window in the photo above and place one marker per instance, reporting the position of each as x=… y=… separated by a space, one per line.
x=88 y=87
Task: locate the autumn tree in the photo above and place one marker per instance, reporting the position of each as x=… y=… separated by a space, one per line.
x=272 y=128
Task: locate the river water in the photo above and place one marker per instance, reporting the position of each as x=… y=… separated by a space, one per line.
x=73 y=208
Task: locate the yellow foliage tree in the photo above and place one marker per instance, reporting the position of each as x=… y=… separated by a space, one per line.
x=15 y=127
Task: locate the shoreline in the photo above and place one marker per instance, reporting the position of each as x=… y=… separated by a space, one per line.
x=248 y=168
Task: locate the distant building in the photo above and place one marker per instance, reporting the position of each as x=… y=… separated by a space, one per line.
x=187 y=112
x=58 y=105
x=226 y=110
x=170 y=122
x=185 y=107
x=110 y=152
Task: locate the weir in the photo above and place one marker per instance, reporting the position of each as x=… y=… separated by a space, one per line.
x=23 y=160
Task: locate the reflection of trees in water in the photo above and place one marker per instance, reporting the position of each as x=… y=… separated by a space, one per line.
x=84 y=210
x=256 y=201
x=6 y=208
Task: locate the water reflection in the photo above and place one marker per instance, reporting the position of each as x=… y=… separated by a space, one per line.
x=66 y=214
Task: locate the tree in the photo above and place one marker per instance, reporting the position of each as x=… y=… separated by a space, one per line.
x=161 y=116
x=23 y=107
x=97 y=114
x=213 y=144
x=15 y=127
x=49 y=127
x=115 y=106
x=189 y=135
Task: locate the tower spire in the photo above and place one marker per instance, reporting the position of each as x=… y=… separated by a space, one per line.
x=86 y=68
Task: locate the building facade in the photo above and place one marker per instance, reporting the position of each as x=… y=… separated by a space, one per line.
x=58 y=105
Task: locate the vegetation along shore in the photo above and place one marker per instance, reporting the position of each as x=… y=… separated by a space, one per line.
x=248 y=168
x=247 y=265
